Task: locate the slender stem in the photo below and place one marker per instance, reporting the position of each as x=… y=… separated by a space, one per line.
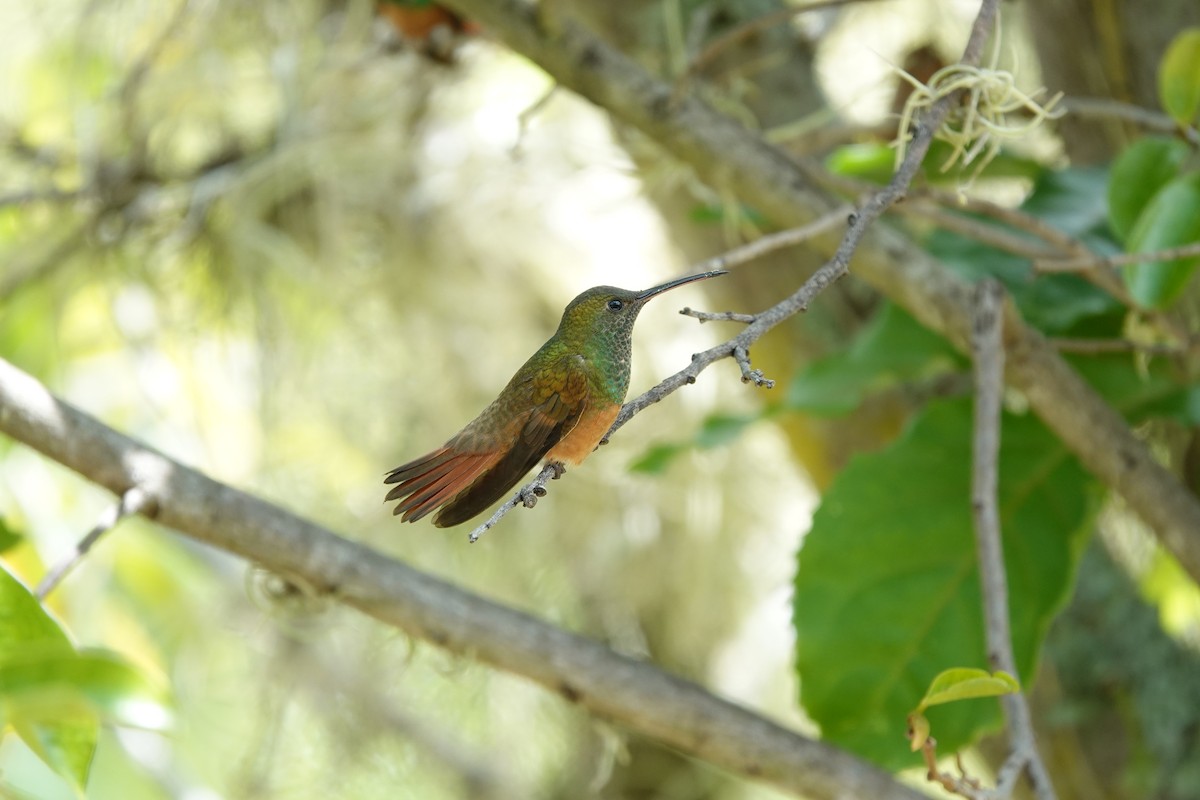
x=134 y=501
x=987 y=345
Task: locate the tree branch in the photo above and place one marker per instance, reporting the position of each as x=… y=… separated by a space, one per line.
x=643 y=698
x=987 y=344
x=724 y=153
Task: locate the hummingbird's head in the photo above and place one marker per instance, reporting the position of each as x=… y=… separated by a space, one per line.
x=606 y=312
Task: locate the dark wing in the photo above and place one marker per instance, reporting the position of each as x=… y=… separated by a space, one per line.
x=479 y=465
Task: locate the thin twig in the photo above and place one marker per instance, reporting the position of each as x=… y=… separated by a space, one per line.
x=527 y=496
x=1091 y=262
x=1101 y=346
x=961 y=784
x=717 y=316
x=776 y=241
x=527 y=115
x=750 y=375
x=979 y=230
x=134 y=501
x=987 y=345
x=48 y=195
x=1107 y=108
x=749 y=28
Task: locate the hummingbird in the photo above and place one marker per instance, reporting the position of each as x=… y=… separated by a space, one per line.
x=558 y=406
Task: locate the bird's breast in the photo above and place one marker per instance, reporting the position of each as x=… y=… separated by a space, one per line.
x=579 y=443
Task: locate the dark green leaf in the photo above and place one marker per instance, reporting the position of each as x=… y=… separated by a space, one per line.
x=1140 y=172
x=1141 y=392
x=1170 y=219
x=1179 y=77
x=1072 y=200
x=887 y=594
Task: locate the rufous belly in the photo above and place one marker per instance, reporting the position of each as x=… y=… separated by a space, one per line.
x=583 y=438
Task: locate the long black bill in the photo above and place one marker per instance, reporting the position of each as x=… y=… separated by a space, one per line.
x=663 y=287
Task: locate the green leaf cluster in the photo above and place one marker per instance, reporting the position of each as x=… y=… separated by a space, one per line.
x=1154 y=191
x=1154 y=204
x=887 y=595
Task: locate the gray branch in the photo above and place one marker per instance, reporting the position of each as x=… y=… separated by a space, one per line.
x=633 y=693
x=987 y=345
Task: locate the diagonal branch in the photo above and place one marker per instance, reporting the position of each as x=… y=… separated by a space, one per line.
x=638 y=695
x=725 y=153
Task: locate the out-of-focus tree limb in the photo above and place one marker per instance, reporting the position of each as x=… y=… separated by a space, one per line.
x=725 y=153
x=635 y=694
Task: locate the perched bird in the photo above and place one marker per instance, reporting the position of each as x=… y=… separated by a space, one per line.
x=558 y=406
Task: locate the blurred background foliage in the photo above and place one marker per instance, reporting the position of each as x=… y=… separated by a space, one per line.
x=284 y=244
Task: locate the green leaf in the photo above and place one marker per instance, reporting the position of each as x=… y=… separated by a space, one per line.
x=1179 y=77
x=1073 y=201
x=711 y=214
x=893 y=348
x=24 y=624
x=1137 y=175
x=10 y=537
x=657 y=458
x=716 y=431
x=869 y=161
x=1170 y=219
x=1141 y=392
x=66 y=744
x=721 y=429
x=48 y=686
x=966 y=683
x=887 y=593
x=876 y=162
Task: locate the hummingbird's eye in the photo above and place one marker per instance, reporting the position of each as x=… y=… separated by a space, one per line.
x=615 y=305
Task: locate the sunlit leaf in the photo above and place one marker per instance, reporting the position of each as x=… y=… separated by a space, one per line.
x=45 y=686
x=1141 y=171
x=966 y=683
x=1170 y=219
x=67 y=742
x=1179 y=77
x=873 y=162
